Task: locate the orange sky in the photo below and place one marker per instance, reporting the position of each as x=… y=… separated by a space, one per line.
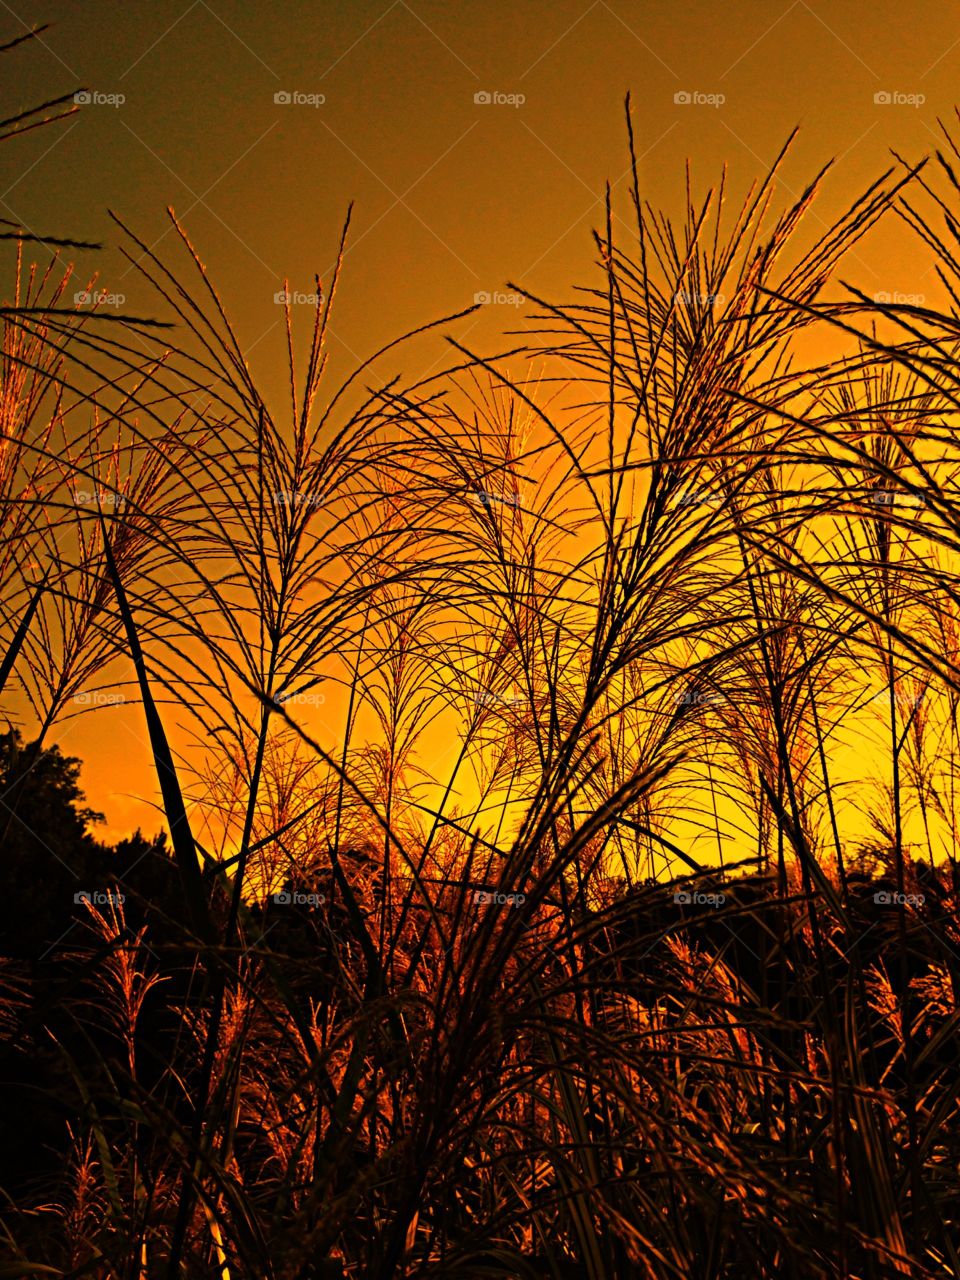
x=453 y=197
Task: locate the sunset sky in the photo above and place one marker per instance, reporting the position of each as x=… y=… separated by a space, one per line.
x=454 y=196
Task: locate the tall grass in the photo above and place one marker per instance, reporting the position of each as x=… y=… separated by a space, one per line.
x=587 y=976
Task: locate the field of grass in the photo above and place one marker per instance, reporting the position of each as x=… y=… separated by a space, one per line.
x=558 y=760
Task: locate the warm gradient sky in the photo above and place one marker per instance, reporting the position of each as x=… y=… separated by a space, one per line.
x=453 y=197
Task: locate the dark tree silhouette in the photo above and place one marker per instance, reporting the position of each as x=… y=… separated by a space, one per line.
x=47 y=853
